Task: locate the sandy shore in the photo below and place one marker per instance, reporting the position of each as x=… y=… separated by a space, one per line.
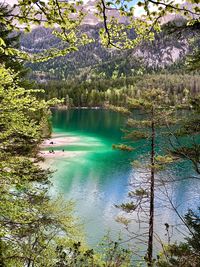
x=58 y=140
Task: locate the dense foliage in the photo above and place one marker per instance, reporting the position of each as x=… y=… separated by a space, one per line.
x=28 y=220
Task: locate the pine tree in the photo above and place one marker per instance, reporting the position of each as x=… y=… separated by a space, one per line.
x=156 y=115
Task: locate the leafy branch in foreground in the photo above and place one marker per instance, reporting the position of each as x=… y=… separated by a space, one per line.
x=65 y=19
x=30 y=222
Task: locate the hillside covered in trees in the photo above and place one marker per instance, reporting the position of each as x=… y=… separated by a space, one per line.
x=167 y=51
x=95 y=75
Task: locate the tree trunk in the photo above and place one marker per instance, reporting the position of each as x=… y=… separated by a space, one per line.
x=152 y=183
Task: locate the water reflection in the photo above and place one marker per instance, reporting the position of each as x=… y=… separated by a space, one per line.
x=99 y=177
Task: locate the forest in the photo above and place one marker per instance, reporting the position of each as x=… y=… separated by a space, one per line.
x=152 y=113
x=99 y=92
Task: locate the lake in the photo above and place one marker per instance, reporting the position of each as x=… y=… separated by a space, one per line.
x=98 y=177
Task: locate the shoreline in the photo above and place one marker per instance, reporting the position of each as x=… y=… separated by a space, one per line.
x=58 y=154
x=68 y=108
x=58 y=140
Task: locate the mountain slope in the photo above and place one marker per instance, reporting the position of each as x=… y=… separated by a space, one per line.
x=164 y=51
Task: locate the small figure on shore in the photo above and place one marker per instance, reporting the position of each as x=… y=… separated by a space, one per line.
x=53 y=151
x=63 y=150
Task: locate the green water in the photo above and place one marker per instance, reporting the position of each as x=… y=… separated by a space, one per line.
x=97 y=177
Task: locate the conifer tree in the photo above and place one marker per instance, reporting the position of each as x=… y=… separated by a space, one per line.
x=156 y=115
x=185 y=145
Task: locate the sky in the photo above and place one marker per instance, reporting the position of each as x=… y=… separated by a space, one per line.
x=138 y=11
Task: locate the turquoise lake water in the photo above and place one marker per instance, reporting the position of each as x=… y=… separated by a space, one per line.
x=98 y=177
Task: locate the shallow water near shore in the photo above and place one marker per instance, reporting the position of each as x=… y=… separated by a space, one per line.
x=97 y=177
